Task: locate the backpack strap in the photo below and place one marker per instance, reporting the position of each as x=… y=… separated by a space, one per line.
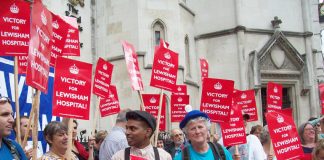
x=215 y=151
x=156 y=153
x=185 y=153
x=127 y=153
x=13 y=150
x=219 y=150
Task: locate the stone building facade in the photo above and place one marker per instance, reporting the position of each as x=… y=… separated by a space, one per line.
x=251 y=42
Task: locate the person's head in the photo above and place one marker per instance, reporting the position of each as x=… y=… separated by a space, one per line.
x=256 y=130
x=121 y=118
x=75 y=129
x=196 y=125
x=318 y=151
x=55 y=134
x=160 y=142
x=6 y=117
x=177 y=136
x=317 y=126
x=306 y=133
x=246 y=117
x=23 y=127
x=140 y=127
x=99 y=138
x=265 y=136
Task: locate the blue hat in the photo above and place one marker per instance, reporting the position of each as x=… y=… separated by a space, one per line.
x=191 y=115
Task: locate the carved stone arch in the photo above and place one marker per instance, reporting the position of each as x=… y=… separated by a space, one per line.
x=158 y=26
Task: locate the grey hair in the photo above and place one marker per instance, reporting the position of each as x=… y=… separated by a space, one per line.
x=206 y=122
x=52 y=128
x=121 y=117
x=264 y=136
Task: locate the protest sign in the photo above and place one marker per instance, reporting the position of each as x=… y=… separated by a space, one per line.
x=180 y=90
x=72 y=42
x=284 y=136
x=246 y=101
x=110 y=105
x=165 y=69
x=151 y=104
x=40 y=46
x=25 y=97
x=203 y=68
x=274 y=97
x=132 y=66
x=102 y=78
x=60 y=30
x=233 y=132
x=22 y=64
x=178 y=103
x=216 y=99
x=72 y=89
x=14 y=28
x=321 y=93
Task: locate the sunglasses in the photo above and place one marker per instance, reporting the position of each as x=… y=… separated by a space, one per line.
x=4 y=100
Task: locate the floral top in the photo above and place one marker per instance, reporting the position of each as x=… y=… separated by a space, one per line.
x=52 y=156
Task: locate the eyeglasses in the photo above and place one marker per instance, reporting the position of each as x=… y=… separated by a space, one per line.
x=309 y=129
x=4 y=100
x=178 y=135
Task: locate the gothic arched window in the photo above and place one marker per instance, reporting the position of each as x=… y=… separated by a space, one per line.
x=187 y=57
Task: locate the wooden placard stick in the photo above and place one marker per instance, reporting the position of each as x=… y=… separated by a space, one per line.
x=237 y=153
x=142 y=101
x=17 y=100
x=31 y=115
x=35 y=124
x=158 y=118
x=68 y=153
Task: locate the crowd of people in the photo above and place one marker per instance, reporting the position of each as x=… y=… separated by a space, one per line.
x=131 y=138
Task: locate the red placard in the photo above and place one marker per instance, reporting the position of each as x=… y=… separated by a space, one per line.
x=233 y=132
x=14 y=28
x=165 y=69
x=178 y=103
x=216 y=99
x=39 y=48
x=203 y=68
x=72 y=89
x=274 y=97
x=22 y=64
x=321 y=92
x=72 y=44
x=132 y=157
x=180 y=90
x=110 y=105
x=60 y=30
x=151 y=104
x=246 y=101
x=132 y=66
x=284 y=136
x=102 y=78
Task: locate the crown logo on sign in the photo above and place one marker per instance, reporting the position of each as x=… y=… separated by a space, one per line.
x=105 y=67
x=43 y=18
x=55 y=25
x=232 y=112
x=14 y=9
x=243 y=96
x=179 y=99
x=74 y=69
x=167 y=55
x=152 y=100
x=218 y=86
x=111 y=96
x=179 y=88
x=280 y=119
x=275 y=90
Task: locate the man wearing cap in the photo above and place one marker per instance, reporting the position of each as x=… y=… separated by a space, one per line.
x=195 y=125
x=140 y=127
x=8 y=149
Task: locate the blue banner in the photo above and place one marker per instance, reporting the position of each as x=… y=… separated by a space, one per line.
x=25 y=97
